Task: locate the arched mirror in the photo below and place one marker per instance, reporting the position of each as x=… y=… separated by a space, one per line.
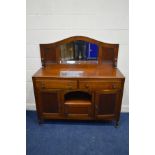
x=79 y=51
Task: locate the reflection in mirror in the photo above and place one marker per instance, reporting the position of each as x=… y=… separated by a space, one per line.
x=79 y=51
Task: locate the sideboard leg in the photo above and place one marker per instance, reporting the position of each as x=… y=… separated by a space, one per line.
x=116 y=124
x=40 y=121
x=66 y=111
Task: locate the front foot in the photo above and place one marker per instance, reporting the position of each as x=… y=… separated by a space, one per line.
x=40 y=121
x=116 y=124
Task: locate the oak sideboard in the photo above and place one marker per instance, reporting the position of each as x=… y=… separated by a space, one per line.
x=78 y=80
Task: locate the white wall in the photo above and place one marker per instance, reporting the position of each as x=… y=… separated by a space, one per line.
x=52 y=20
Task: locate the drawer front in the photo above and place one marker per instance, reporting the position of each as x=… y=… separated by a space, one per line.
x=97 y=84
x=56 y=84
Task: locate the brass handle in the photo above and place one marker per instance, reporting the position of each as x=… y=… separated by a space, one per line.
x=86 y=86
x=113 y=86
x=70 y=86
x=96 y=107
x=43 y=85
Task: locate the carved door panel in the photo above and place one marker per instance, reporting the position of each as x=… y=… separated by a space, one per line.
x=106 y=103
x=50 y=101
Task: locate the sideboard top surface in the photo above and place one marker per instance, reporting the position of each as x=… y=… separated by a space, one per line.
x=79 y=71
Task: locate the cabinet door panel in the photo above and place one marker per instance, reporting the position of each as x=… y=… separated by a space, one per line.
x=50 y=101
x=106 y=102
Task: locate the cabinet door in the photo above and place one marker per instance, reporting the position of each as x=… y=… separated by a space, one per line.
x=50 y=102
x=106 y=103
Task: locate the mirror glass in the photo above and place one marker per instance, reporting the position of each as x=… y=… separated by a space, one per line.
x=79 y=52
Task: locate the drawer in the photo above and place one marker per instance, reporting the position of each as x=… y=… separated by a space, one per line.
x=78 y=108
x=98 y=84
x=56 y=84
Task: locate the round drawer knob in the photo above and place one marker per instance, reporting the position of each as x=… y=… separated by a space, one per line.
x=70 y=86
x=113 y=86
x=86 y=86
x=43 y=85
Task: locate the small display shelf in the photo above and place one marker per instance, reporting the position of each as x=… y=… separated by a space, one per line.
x=77 y=95
x=78 y=98
x=78 y=103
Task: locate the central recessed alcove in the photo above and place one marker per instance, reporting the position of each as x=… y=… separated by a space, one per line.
x=77 y=95
x=77 y=102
